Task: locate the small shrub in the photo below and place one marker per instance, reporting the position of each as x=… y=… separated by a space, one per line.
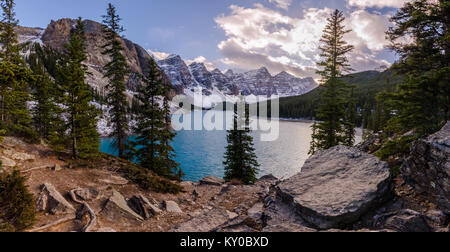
x=17 y=209
x=396 y=148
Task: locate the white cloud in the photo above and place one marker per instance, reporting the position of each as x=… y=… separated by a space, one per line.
x=209 y=65
x=283 y=4
x=260 y=36
x=377 y=3
x=369 y=30
x=158 y=55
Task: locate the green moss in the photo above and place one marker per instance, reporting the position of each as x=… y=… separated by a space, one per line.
x=17 y=209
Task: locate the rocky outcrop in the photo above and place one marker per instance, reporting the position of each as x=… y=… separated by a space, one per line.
x=205 y=222
x=117 y=207
x=141 y=205
x=336 y=187
x=57 y=34
x=172 y=207
x=50 y=200
x=214 y=181
x=428 y=168
x=408 y=221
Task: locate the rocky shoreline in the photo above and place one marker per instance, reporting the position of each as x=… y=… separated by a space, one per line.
x=341 y=189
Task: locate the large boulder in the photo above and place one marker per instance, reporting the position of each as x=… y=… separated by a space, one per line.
x=52 y=201
x=117 y=207
x=337 y=186
x=428 y=168
x=205 y=222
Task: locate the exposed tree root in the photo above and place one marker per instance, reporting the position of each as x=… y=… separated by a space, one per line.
x=86 y=209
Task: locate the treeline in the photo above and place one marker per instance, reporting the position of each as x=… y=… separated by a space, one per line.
x=366 y=87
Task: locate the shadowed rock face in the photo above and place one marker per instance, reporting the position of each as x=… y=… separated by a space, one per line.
x=337 y=186
x=428 y=168
x=57 y=34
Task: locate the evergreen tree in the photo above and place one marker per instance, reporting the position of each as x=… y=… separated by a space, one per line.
x=45 y=113
x=240 y=159
x=116 y=71
x=8 y=36
x=332 y=111
x=17 y=207
x=82 y=115
x=15 y=76
x=152 y=144
x=423 y=99
x=351 y=118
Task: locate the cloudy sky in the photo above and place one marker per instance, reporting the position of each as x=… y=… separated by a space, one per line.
x=281 y=35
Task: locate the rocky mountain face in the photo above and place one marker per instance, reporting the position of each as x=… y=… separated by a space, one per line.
x=257 y=82
x=57 y=34
x=184 y=79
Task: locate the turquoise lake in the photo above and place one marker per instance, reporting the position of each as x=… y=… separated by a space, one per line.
x=200 y=153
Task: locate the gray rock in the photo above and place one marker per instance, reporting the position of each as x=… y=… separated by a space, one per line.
x=22 y=157
x=256 y=212
x=52 y=201
x=436 y=216
x=106 y=230
x=87 y=194
x=214 y=181
x=269 y=177
x=56 y=167
x=7 y=162
x=428 y=168
x=407 y=221
x=205 y=222
x=172 y=207
x=337 y=186
x=241 y=224
x=116 y=207
x=141 y=205
x=281 y=217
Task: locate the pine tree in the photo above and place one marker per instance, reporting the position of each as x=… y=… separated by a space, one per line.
x=422 y=102
x=82 y=115
x=15 y=76
x=332 y=111
x=116 y=71
x=152 y=144
x=351 y=117
x=17 y=207
x=8 y=36
x=240 y=159
x=45 y=111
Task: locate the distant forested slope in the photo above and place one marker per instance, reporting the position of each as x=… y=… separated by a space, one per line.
x=367 y=85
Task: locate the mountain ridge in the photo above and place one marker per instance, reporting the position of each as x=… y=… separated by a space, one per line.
x=183 y=78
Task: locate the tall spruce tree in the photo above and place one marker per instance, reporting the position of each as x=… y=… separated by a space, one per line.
x=331 y=130
x=240 y=159
x=14 y=76
x=116 y=71
x=153 y=134
x=46 y=114
x=422 y=102
x=351 y=117
x=82 y=115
